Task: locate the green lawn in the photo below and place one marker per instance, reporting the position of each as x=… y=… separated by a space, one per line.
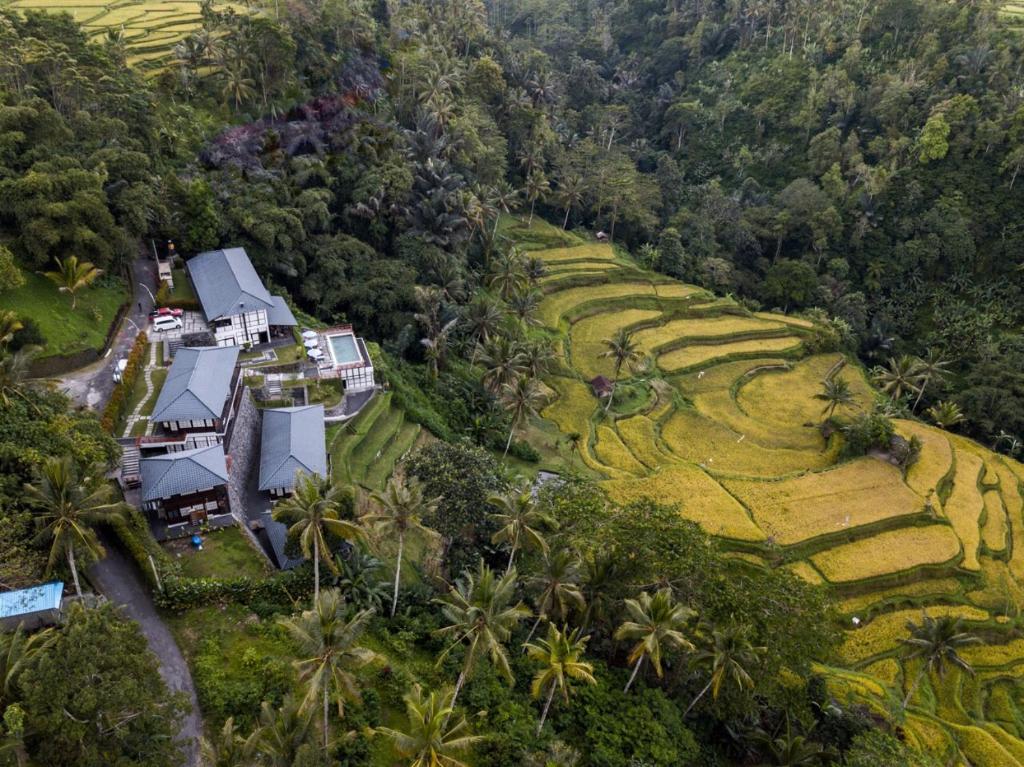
x=66 y=331
x=226 y=554
x=182 y=287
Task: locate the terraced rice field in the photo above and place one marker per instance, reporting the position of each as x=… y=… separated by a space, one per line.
x=733 y=442
x=151 y=29
x=365 y=450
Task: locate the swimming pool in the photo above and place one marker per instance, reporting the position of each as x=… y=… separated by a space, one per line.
x=344 y=349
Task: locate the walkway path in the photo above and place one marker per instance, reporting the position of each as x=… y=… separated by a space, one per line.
x=147 y=376
x=117 y=578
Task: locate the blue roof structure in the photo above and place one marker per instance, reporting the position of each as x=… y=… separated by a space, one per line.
x=31 y=600
x=182 y=473
x=198 y=384
x=293 y=440
x=280 y=314
x=227 y=284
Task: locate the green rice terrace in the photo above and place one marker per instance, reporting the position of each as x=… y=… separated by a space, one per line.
x=150 y=29
x=729 y=432
x=1013 y=14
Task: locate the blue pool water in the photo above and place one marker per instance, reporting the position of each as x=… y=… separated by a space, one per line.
x=343 y=349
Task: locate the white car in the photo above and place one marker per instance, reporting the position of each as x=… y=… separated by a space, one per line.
x=162 y=323
x=119 y=369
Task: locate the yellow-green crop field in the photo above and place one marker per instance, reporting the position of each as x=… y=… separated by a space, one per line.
x=734 y=442
x=151 y=28
x=588 y=336
x=888 y=553
x=855 y=493
x=692 y=356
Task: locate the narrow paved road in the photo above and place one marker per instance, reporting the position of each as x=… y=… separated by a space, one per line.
x=117 y=578
x=91 y=386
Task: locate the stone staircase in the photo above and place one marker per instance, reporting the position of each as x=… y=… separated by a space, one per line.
x=130 y=465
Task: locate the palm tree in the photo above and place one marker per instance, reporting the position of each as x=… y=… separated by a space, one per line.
x=602 y=572
x=238 y=86
x=313 y=512
x=899 y=380
x=936 y=641
x=557 y=586
x=537 y=187
x=539 y=357
x=482 y=617
x=436 y=345
x=518 y=520
x=401 y=510
x=505 y=199
x=358 y=581
x=561 y=655
x=790 y=749
x=945 y=414
x=657 y=626
x=9 y=325
x=835 y=392
x=15 y=372
x=570 y=195
x=931 y=367
x=280 y=733
x=621 y=349
x=482 y=316
x=329 y=652
x=72 y=275
x=521 y=400
x=69 y=505
x=503 y=363
x=508 y=274
x=727 y=656
x=432 y=738
x=17 y=651
x=524 y=305
x=226 y=748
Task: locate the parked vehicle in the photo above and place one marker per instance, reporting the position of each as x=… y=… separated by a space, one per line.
x=119 y=369
x=165 y=311
x=161 y=324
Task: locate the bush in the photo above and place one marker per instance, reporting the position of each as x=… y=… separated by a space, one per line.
x=407 y=396
x=115 y=409
x=868 y=431
x=283 y=589
x=523 y=451
x=29 y=335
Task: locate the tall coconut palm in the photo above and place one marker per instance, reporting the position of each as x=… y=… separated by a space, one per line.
x=433 y=738
x=503 y=363
x=436 y=346
x=71 y=275
x=945 y=414
x=557 y=586
x=621 y=349
x=68 y=505
x=537 y=188
x=519 y=521
x=521 y=400
x=507 y=274
x=524 y=305
x=539 y=358
x=657 y=624
x=482 y=318
x=728 y=656
x=226 y=748
x=835 y=392
x=931 y=367
x=481 y=618
x=936 y=642
x=561 y=659
x=899 y=379
x=329 y=651
x=313 y=512
x=505 y=199
x=603 y=575
x=400 y=510
x=570 y=194
x=280 y=733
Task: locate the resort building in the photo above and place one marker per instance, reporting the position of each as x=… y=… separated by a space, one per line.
x=31 y=608
x=344 y=355
x=237 y=306
x=293 y=441
x=201 y=393
x=186 y=487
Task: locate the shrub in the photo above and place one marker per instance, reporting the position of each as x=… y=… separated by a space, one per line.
x=866 y=432
x=119 y=398
x=283 y=589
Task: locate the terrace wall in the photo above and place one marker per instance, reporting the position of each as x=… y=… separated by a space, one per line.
x=244 y=450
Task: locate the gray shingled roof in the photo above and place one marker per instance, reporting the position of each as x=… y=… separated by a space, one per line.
x=280 y=314
x=184 y=472
x=227 y=283
x=293 y=440
x=198 y=384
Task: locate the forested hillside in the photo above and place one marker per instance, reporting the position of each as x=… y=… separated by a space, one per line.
x=790 y=237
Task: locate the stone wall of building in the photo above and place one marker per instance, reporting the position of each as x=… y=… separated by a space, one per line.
x=244 y=453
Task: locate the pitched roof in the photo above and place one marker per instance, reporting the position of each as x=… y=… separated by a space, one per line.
x=183 y=472
x=198 y=384
x=280 y=314
x=31 y=600
x=293 y=440
x=227 y=283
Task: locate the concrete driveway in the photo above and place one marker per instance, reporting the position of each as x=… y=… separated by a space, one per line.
x=117 y=578
x=92 y=386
